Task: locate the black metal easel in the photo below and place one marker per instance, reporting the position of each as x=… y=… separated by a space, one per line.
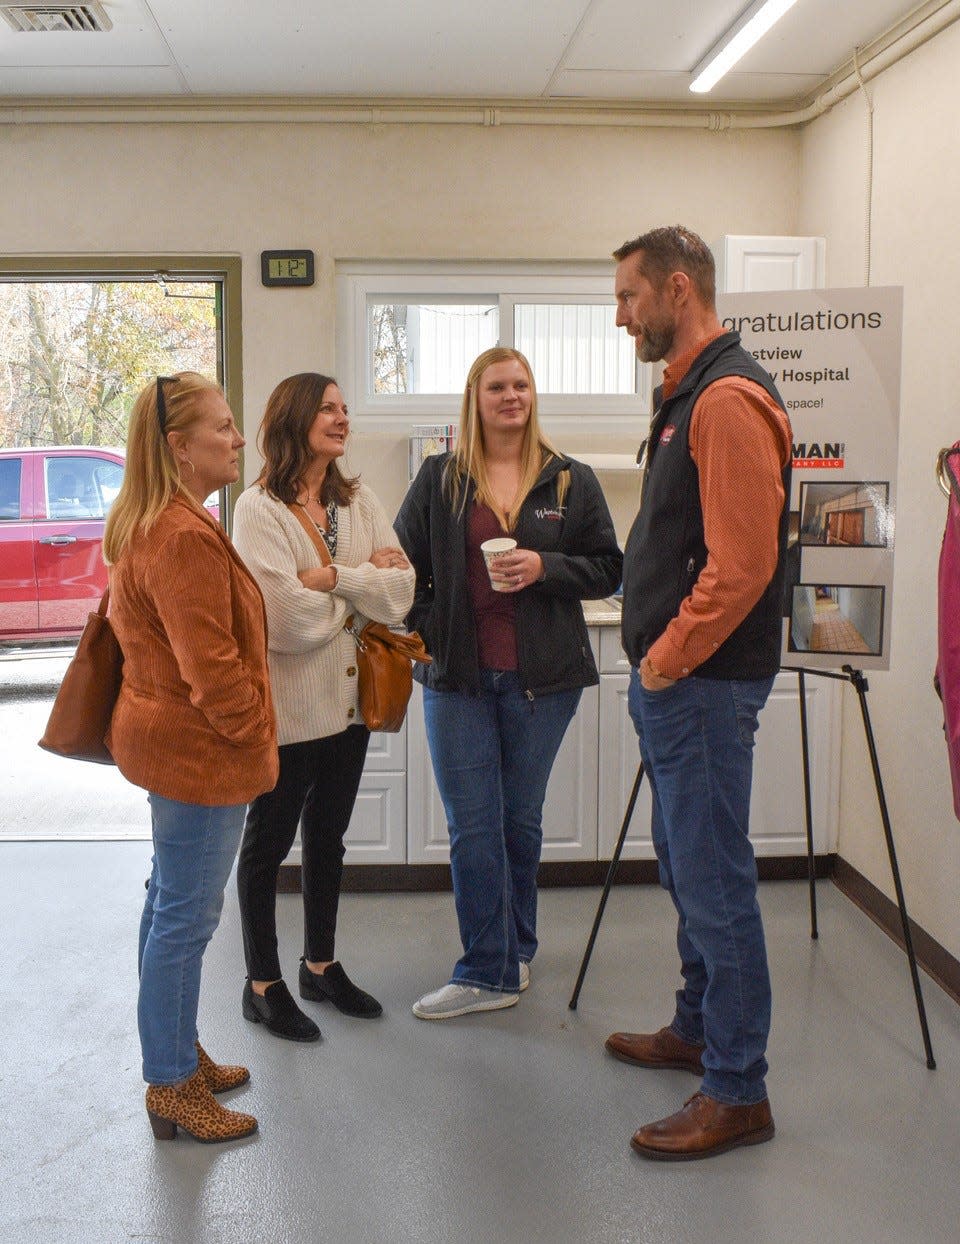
x=611 y=873
x=860 y=685
x=859 y=682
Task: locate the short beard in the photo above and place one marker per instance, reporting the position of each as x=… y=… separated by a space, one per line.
x=655 y=342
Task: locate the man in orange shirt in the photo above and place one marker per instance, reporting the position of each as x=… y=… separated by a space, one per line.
x=702 y=622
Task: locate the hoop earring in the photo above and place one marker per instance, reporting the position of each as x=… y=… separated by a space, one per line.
x=193 y=469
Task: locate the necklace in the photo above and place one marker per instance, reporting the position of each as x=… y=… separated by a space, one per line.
x=330 y=532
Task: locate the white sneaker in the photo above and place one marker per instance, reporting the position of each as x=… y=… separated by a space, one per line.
x=524 y=976
x=453 y=1000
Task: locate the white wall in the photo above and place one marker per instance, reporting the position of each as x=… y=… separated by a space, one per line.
x=454 y=192
x=916 y=210
x=801 y=621
x=388 y=191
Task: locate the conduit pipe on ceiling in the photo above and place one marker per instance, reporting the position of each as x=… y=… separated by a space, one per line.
x=923 y=24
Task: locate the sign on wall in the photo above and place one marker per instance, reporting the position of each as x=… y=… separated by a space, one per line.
x=834 y=355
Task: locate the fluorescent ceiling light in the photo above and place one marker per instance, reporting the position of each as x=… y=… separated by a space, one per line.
x=750 y=27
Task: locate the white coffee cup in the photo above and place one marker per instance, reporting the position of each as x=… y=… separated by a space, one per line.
x=491 y=550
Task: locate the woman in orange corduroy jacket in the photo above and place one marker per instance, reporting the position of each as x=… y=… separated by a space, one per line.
x=194 y=723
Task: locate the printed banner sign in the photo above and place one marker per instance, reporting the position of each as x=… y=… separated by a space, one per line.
x=834 y=355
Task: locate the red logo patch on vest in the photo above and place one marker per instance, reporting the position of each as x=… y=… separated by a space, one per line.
x=666 y=436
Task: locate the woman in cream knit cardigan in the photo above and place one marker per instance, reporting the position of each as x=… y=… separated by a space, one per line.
x=313 y=672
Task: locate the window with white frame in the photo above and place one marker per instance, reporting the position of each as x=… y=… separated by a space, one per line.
x=407 y=334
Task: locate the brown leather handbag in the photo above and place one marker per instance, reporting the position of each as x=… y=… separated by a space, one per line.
x=384 y=671
x=385 y=674
x=81 y=713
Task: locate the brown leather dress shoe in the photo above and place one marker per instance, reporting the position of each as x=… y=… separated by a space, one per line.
x=702 y=1128
x=657 y=1049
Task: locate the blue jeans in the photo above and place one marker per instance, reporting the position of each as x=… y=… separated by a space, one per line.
x=193 y=851
x=492 y=754
x=696 y=741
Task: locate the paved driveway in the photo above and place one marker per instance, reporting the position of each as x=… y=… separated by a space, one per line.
x=44 y=796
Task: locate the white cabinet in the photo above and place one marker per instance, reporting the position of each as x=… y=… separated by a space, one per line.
x=619 y=759
x=570 y=807
x=427 y=840
x=398 y=817
x=377 y=833
x=769 y=263
x=777 y=820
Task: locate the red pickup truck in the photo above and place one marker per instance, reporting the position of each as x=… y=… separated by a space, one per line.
x=53 y=503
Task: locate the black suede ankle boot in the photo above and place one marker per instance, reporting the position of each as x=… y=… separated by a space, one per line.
x=278 y=1012
x=334 y=985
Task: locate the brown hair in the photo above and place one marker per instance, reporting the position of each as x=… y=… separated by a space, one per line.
x=469 y=458
x=151 y=476
x=674 y=249
x=284 y=441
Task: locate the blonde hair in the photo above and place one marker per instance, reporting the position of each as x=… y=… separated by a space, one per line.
x=469 y=459
x=151 y=477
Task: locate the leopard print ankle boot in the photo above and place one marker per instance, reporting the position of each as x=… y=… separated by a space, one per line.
x=220 y=1076
x=193 y=1107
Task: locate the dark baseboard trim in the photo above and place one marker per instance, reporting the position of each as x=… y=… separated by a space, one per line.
x=935 y=960
x=369 y=878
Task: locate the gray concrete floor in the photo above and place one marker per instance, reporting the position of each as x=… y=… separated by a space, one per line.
x=505 y=1127
x=44 y=796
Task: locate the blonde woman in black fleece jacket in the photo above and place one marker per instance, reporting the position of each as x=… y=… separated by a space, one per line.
x=511 y=657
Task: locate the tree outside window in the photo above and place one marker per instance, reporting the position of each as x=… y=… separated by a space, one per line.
x=74 y=354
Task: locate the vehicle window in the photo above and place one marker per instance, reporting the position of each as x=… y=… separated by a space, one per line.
x=108 y=477
x=81 y=487
x=9 y=488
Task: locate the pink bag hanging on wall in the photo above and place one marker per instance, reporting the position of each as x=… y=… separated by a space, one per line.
x=948 y=646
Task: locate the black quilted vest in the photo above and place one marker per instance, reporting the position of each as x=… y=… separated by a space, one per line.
x=665 y=550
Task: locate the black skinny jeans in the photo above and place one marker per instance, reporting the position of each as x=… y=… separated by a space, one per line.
x=316 y=789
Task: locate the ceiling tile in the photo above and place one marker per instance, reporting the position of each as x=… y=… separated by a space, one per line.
x=640 y=51
x=431 y=47
x=662 y=38
x=76 y=80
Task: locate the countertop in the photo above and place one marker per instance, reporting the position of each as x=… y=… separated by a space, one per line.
x=604 y=612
